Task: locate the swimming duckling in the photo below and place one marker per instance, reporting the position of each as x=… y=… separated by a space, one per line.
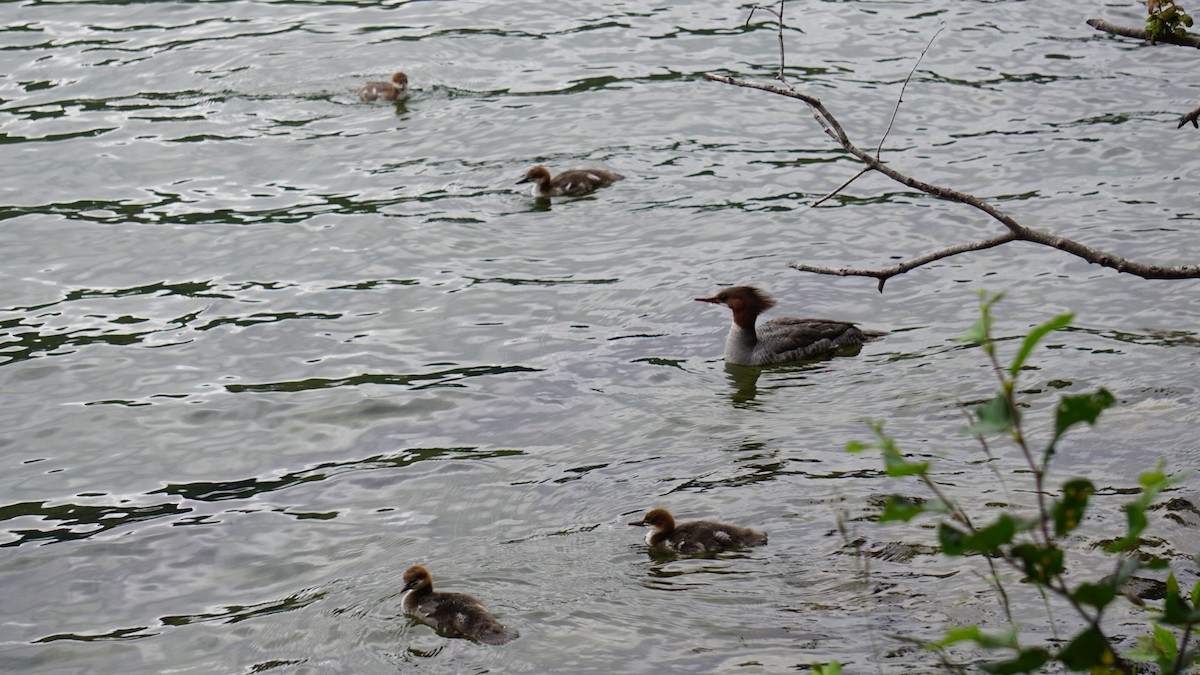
x=454 y=614
x=574 y=182
x=697 y=536
x=385 y=91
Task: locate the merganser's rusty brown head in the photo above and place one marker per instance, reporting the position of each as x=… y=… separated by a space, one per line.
x=538 y=174
x=417 y=577
x=659 y=519
x=747 y=302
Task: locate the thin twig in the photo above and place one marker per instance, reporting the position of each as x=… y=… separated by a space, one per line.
x=888 y=272
x=1181 y=656
x=900 y=98
x=993 y=582
x=841 y=187
x=1007 y=387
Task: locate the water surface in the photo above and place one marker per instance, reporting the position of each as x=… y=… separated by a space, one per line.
x=263 y=346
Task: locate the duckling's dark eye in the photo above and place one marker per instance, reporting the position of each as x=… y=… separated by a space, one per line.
x=722 y=296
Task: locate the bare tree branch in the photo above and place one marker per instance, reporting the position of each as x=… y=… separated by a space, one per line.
x=1016 y=231
x=1142 y=34
x=1190 y=117
x=888 y=272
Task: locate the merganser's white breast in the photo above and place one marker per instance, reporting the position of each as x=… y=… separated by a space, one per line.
x=453 y=614
x=697 y=536
x=780 y=340
x=569 y=183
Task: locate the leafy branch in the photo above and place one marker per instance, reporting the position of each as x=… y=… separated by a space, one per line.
x=1033 y=545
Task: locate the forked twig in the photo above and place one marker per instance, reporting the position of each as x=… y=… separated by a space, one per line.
x=779 y=21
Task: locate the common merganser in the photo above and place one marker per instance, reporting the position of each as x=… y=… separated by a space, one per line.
x=697 y=536
x=455 y=614
x=385 y=91
x=574 y=182
x=780 y=340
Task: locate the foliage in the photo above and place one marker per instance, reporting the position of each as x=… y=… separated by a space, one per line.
x=1166 y=19
x=1034 y=544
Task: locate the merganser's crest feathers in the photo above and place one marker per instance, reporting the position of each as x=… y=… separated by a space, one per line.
x=697 y=536
x=454 y=614
x=780 y=340
x=385 y=91
x=570 y=183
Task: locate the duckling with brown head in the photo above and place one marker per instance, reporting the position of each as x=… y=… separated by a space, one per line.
x=453 y=614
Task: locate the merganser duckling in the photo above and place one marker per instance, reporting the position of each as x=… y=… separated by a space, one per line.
x=780 y=340
x=697 y=536
x=574 y=182
x=455 y=614
x=385 y=91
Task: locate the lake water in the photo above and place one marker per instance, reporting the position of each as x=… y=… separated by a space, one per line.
x=265 y=346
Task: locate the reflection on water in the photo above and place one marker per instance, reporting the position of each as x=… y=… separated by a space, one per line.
x=744 y=379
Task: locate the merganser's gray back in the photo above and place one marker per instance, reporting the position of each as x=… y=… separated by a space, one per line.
x=780 y=340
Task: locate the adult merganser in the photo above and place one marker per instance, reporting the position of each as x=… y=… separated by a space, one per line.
x=574 y=182
x=455 y=614
x=697 y=536
x=780 y=340
x=385 y=91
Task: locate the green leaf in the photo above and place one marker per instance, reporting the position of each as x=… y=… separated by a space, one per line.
x=1068 y=511
x=858 y=446
x=1026 y=661
x=1082 y=408
x=1035 y=336
x=894 y=463
x=896 y=466
x=973 y=634
x=993 y=417
x=1176 y=610
x=1087 y=650
x=831 y=668
x=986 y=540
x=1142 y=653
x=1096 y=595
x=951 y=539
x=902 y=509
x=1041 y=563
x=1154 y=480
x=1165 y=640
x=993 y=536
x=1129 y=565
x=1135 y=518
x=980 y=332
